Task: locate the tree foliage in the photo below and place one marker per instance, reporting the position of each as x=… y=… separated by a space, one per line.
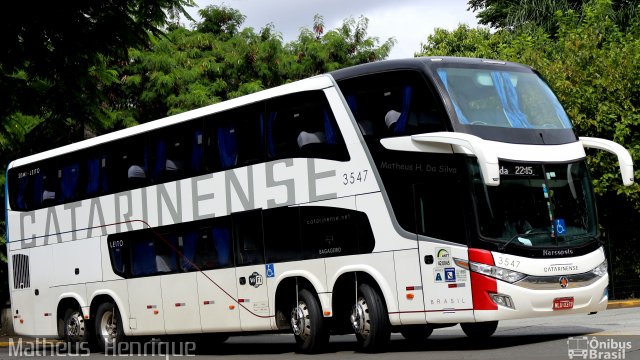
x=219 y=60
x=515 y=14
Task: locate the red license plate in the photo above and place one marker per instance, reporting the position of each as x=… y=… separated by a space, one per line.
x=564 y=303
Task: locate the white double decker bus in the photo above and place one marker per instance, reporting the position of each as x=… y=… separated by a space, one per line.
x=398 y=196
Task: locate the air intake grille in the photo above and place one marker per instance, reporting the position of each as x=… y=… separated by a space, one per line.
x=21 y=278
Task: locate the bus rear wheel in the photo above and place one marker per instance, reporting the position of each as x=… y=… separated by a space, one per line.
x=76 y=330
x=109 y=329
x=479 y=330
x=370 y=320
x=308 y=324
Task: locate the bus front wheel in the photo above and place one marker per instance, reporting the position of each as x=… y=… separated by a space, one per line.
x=369 y=320
x=308 y=324
x=479 y=330
x=109 y=329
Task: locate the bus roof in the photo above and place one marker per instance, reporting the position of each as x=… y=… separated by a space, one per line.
x=416 y=64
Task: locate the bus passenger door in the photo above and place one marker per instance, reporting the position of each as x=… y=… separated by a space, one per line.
x=440 y=223
x=253 y=300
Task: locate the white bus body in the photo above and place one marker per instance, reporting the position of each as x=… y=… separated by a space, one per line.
x=213 y=238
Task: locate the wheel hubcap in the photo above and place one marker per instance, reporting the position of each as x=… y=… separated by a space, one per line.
x=300 y=322
x=108 y=327
x=75 y=326
x=360 y=318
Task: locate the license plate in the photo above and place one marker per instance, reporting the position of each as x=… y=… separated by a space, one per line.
x=564 y=303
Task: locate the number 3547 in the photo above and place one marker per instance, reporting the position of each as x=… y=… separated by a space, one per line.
x=354 y=177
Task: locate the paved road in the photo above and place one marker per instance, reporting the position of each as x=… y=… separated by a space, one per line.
x=514 y=340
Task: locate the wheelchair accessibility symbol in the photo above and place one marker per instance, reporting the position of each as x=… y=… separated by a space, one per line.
x=270 y=270
x=561 y=229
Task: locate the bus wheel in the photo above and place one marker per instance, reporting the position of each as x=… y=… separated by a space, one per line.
x=416 y=333
x=108 y=327
x=76 y=331
x=479 y=330
x=308 y=324
x=370 y=321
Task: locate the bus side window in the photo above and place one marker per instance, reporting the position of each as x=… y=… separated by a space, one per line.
x=247 y=229
x=188 y=244
x=282 y=234
x=222 y=242
x=49 y=183
x=394 y=104
x=165 y=251
x=227 y=146
x=302 y=125
x=21 y=198
x=177 y=152
x=328 y=231
x=69 y=182
x=97 y=176
x=118 y=254
x=133 y=163
x=143 y=257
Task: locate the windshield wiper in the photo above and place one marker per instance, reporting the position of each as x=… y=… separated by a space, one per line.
x=503 y=246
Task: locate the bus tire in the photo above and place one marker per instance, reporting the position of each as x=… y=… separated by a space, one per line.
x=370 y=320
x=479 y=330
x=109 y=330
x=416 y=333
x=76 y=331
x=308 y=325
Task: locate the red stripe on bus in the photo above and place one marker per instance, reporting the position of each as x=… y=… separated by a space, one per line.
x=481 y=256
x=481 y=286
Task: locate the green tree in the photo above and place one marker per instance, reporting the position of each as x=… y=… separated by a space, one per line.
x=514 y=14
x=219 y=60
x=58 y=56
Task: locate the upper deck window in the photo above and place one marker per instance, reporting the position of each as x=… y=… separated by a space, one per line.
x=394 y=103
x=508 y=99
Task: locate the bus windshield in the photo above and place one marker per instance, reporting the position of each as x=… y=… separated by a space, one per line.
x=537 y=205
x=510 y=99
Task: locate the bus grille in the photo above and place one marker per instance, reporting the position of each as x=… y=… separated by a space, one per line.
x=21 y=278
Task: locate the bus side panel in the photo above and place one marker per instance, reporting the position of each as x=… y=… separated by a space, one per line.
x=181 y=303
x=217 y=291
x=379 y=266
x=45 y=304
x=77 y=262
x=146 y=306
x=21 y=294
x=409 y=283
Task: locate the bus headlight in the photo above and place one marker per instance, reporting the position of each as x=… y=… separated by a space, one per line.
x=601 y=270
x=509 y=276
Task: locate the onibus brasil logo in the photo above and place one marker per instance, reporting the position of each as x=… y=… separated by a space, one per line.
x=583 y=347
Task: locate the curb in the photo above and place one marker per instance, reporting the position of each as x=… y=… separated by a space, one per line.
x=623 y=304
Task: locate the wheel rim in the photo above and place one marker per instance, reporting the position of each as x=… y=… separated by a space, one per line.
x=360 y=318
x=75 y=327
x=108 y=327
x=300 y=320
